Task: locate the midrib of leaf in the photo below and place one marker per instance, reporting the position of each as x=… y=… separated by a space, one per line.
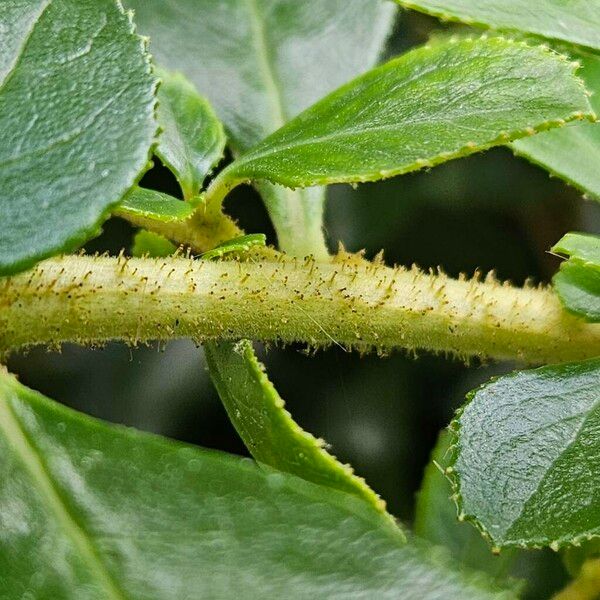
x=33 y=462
x=19 y=55
x=588 y=412
x=266 y=64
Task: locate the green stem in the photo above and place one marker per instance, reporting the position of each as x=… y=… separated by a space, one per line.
x=297 y=215
x=208 y=227
x=346 y=302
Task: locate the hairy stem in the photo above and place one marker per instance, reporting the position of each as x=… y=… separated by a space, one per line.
x=347 y=302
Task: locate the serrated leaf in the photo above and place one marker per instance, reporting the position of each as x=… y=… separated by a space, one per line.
x=271 y=435
x=574 y=21
x=527 y=461
x=260 y=63
x=96 y=511
x=430 y=105
x=153 y=205
x=436 y=520
x=573 y=152
x=578 y=281
x=76 y=122
x=192 y=141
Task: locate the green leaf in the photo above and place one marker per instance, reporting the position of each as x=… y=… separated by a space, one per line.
x=96 y=511
x=582 y=246
x=578 y=281
x=527 y=460
x=573 y=152
x=430 y=105
x=146 y=243
x=574 y=21
x=578 y=287
x=156 y=206
x=238 y=245
x=260 y=63
x=267 y=429
x=436 y=520
x=192 y=140
x=76 y=122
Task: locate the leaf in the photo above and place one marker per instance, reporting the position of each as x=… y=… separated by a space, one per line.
x=578 y=281
x=192 y=140
x=267 y=429
x=236 y=245
x=146 y=243
x=573 y=152
x=76 y=122
x=581 y=246
x=156 y=206
x=574 y=21
x=578 y=287
x=430 y=105
x=527 y=462
x=96 y=511
x=260 y=63
x=436 y=520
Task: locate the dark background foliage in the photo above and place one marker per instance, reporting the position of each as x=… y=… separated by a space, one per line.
x=382 y=415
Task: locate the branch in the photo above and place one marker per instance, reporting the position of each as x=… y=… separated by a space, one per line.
x=348 y=302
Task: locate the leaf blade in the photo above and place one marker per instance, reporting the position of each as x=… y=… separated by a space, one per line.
x=576 y=21
x=268 y=430
x=149 y=204
x=538 y=425
x=193 y=139
x=571 y=153
x=77 y=123
x=578 y=281
x=168 y=520
x=431 y=105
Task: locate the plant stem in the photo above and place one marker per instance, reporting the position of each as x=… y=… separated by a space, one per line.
x=297 y=216
x=347 y=302
x=586 y=586
x=203 y=231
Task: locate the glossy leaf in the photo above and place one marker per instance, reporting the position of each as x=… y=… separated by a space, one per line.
x=76 y=122
x=96 y=511
x=578 y=281
x=527 y=461
x=573 y=152
x=436 y=520
x=574 y=21
x=192 y=141
x=260 y=63
x=430 y=105
x=271 y=435
x=150 y=204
